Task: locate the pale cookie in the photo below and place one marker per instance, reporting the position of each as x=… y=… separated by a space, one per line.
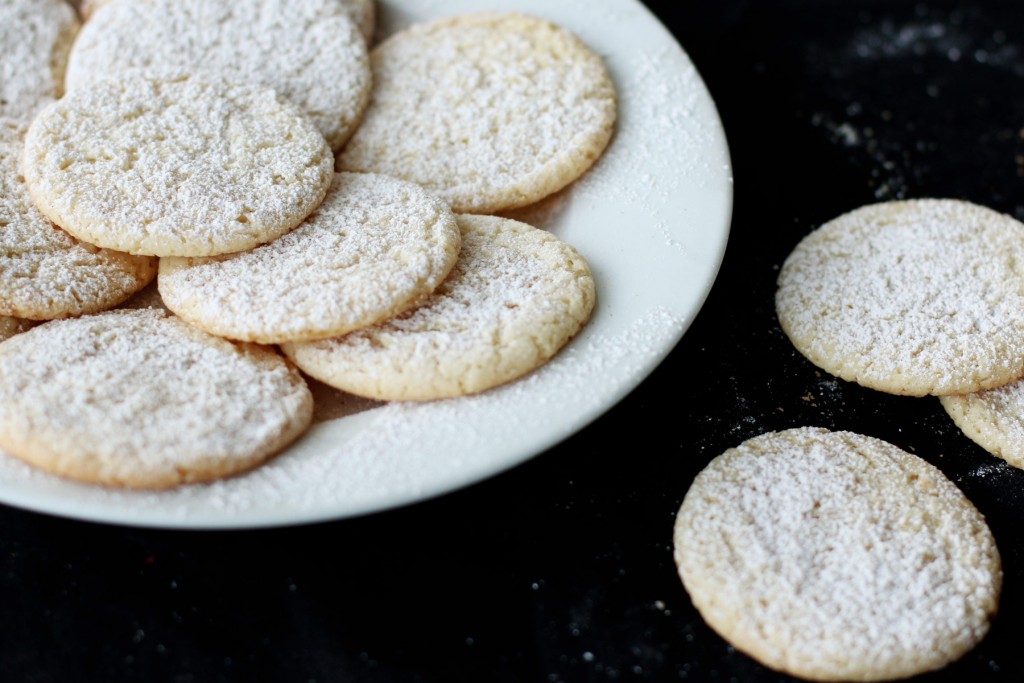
x=515 y=297
x=488 y=111
x=835 y=556
x=46 y=273
x=993 y=419
x=142 y=399
x=35 y=37
x=375 y=247
x=309 y=51
x=183 y=167
x=910 y=297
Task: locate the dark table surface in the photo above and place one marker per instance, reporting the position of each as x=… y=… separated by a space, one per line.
x=561 y=570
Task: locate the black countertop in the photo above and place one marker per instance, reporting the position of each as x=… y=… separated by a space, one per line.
x=561 y=570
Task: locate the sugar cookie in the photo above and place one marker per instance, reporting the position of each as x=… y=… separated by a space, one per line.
x=993 y=419
x=836 y=556
x=309 y=51
x=46 y=273
x=375 y=247
x=11 y=326
x=489 y=111
x=182 y=167
x=141 y=399
x=515 y=297
x=36 y=36
x=910 y=297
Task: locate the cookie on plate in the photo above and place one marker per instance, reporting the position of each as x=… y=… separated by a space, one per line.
x=489 y=111
x=309 y=51
x=516 y=295
x=375 y=247
x=36 y=36
x=910 y=297
x=993 y=419
x=142 y=399
x=182 y=166
x=836 y=556
x=46 y=273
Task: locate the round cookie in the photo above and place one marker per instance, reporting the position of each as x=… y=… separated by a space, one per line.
x=835 y=556
x=309 y=51
x=375 y=247
x=179 y=167
x=36 y=36
x=993 y=419
x=142 y=399
x=522 y=110
x=515 y=296
x=910 y=297
x=46 y=273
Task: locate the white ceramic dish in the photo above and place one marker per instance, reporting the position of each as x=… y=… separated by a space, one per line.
x=652 y=218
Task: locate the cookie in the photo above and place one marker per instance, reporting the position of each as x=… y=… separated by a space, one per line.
x=375 y=247
x=836 y=556
x=515 y=296
x=46 y=273
x=141 y=399
x=309 y=51
x=488 y=111
x=993 y=419
x=910 y=297
x=183 y=167
x=36 y=36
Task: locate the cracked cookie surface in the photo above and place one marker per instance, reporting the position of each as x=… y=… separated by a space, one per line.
x=182 y=166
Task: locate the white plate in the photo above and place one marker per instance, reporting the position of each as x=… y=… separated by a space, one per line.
x=652 y=218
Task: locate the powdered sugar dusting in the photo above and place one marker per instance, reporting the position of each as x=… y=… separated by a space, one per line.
x=36 y=36
x=917 y=297
x=373 y=248
x=838 y=556
x=175 y=165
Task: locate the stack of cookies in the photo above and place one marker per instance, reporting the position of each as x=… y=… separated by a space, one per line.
x=292 y=191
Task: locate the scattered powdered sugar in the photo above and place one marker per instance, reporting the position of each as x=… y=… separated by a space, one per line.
x=392 y=453
x=36 y=36
x=375 y=247
x=837 y=556
x=915 y=297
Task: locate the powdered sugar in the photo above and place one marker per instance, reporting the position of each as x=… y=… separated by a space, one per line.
x=833 y=555
x=372 y=249
x=175 y=166
x=918 y=297
x=308 y=51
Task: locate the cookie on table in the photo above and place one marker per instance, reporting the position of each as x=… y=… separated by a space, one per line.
x=375 y=247
x=993 y=419
x=910 y=297
x=142 y=399
x=36 y=36
x=189 y=166
x=46 y=273
x=516 y=296
x=836 y=556
x=309 y=51
x=489 y=111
